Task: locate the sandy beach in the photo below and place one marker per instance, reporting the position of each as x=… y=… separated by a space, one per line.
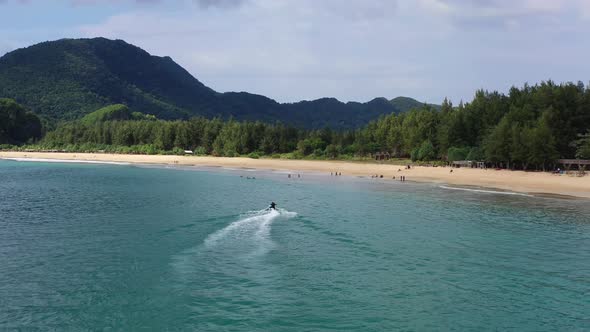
x=517 y=181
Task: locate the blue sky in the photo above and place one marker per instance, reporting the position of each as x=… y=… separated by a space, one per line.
x=292 y=50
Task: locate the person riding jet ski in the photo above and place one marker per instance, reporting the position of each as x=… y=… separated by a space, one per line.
x=273 y=206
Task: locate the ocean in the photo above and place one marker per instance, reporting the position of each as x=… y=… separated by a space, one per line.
x=86 y=247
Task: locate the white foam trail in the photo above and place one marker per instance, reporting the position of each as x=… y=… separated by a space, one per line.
x=253 y=227
x=239 y=242
x=67 y=161
x=487 y=191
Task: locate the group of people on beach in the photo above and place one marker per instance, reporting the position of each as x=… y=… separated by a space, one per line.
x=335 y=174
x=401 y=178
x=298 y=176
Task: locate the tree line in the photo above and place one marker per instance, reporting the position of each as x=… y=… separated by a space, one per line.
x=17 y=125
x=528 y=128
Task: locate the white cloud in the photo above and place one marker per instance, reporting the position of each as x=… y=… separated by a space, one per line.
x=252 y=47
x=504 y=8
x=360 y=49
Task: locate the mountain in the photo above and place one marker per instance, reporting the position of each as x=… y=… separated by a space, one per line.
x=69 y=78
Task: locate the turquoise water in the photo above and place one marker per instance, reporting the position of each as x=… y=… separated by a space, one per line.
x=107 y=247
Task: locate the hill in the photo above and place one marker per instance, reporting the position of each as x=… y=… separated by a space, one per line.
x=69 y=78
x=118 y=112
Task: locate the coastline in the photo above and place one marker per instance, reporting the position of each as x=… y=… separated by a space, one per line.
x=515 y=181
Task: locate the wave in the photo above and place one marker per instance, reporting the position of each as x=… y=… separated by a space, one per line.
x=487 y=191
x=67 y=161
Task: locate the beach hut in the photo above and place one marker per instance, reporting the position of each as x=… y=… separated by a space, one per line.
x=580 y=163
x=568 y=163
x=462 y=163
x=380 y=156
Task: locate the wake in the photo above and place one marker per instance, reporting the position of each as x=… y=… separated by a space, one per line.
x=237 y=244
x=251 y=233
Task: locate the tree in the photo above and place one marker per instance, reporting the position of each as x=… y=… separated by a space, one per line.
x=426 y=151
x=332 y=151
x=475 y=154
x=305 y=147
x=455 y=154
x=520 y=146
x=542 y=144
x=497 y=143
x=583 y=146
x=17 y=125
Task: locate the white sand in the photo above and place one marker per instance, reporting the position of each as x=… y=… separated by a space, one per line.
x=518 y=181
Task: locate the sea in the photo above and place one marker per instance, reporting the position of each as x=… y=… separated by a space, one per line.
x=107 y=247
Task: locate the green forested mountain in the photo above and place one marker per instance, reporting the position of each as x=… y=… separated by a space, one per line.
x=120 y=98
x=69 y=78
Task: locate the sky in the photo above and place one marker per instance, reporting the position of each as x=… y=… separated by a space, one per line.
x=353 y=50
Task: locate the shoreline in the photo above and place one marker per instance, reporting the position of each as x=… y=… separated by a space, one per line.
x=541 y=183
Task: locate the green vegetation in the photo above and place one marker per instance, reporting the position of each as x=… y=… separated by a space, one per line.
x=115 y=112
x=70 y=78
x=109 y=113
x=583 y=146
x=529 y=128
x=17 y=125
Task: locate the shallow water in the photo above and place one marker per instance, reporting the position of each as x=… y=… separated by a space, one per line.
x=92 y=247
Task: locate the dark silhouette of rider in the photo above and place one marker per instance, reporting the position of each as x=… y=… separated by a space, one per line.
x=273 y=206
